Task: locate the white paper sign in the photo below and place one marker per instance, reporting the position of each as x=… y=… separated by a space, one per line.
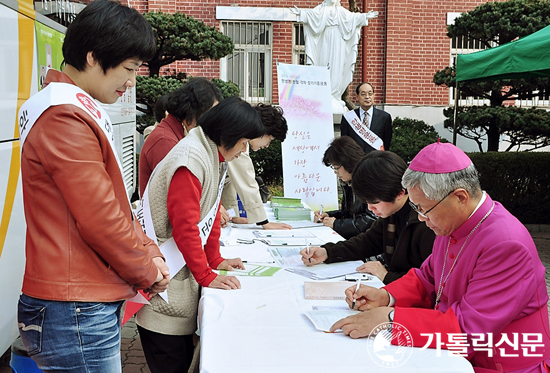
x=304 y=95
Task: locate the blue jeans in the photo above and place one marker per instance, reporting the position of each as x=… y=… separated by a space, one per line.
x=71 y=336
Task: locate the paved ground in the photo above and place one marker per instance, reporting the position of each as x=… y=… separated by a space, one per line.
x=133 y=360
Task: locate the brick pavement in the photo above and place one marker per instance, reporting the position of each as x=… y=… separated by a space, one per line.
x=133 y=360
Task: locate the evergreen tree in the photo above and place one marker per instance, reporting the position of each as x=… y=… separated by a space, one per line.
x=179 y=37
x=493 y=24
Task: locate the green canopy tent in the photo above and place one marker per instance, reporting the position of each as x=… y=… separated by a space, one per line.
x=528 y=57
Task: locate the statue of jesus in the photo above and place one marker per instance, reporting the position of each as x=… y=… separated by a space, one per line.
x=332 y=35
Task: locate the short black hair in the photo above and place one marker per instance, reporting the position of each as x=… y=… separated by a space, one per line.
x=343 y=151
x=160 y=108
x=231 y=120
x=273 y=120
x=377 y=177
x=112 y=32
x=193 y=99
x=360 y=85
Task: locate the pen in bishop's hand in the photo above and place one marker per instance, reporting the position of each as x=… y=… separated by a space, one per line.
x=307 y=250
x=356 y=288
x=320 y=213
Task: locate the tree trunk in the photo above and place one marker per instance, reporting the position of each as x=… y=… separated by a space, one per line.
x=493 y=133
x=154 y=69
x=493 y=137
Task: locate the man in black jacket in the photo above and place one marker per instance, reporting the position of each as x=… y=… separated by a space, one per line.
x=398 y=238
x=378 y=121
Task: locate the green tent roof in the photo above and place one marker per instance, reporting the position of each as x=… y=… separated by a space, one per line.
x=527 y=57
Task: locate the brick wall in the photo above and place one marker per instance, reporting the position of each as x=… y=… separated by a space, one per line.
x=417 y=47
x=373 y=38
x=405 y=45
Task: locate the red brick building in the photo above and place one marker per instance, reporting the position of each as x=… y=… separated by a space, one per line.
x=404 y=46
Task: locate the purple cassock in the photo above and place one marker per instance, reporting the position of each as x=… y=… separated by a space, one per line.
x=492 y=289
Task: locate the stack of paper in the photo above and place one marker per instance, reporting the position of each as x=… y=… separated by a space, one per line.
x=326 y=290
x=285 y=201
x=292 y=213
x=287 y=256
x=324 y=319
x=290 y=209
x=326 y=271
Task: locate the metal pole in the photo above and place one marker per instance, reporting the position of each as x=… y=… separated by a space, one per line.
x=457 y=93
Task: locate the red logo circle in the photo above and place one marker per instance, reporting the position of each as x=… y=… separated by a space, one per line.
x=89 y=104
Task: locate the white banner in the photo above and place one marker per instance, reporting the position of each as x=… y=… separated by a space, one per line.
x=304 y=95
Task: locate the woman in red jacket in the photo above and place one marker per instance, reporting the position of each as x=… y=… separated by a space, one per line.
x=85 y=252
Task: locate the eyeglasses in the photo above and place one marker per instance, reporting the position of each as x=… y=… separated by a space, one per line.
x=425 y=214
x=335 y=168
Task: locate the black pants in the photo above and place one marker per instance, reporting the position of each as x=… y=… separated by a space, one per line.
x=166 y=353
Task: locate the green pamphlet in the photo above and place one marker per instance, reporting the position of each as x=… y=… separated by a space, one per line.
x=251 y=270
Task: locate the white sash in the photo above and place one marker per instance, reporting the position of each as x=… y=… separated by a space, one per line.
x=205 y=225
x=64 y=94
x=366 y=134
x=174 y=258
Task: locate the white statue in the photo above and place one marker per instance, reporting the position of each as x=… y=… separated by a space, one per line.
x=332 y=33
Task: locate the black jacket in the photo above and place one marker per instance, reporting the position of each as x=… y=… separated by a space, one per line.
x=354 y=217
x=414 y=243
x=381 y=124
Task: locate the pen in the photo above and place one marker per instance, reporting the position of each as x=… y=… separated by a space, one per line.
x=246 y=261
x=356 y=288
x=320 y=213
x=307 y=250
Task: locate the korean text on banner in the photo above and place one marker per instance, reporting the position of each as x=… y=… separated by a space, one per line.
x=304 y=95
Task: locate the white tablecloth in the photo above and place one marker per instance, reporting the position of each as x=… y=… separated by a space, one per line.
x=262 y=328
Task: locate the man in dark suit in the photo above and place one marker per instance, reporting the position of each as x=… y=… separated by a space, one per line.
x=378 y=121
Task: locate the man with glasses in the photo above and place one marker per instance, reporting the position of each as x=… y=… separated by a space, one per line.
x=397 y=238
x=376 y=120
x=424 y=214
x=483 y=289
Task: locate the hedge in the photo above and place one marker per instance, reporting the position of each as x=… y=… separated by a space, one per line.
x=518 y=180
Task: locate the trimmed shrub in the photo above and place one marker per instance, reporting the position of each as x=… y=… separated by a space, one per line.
x=410 y=136
x=518 y=180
